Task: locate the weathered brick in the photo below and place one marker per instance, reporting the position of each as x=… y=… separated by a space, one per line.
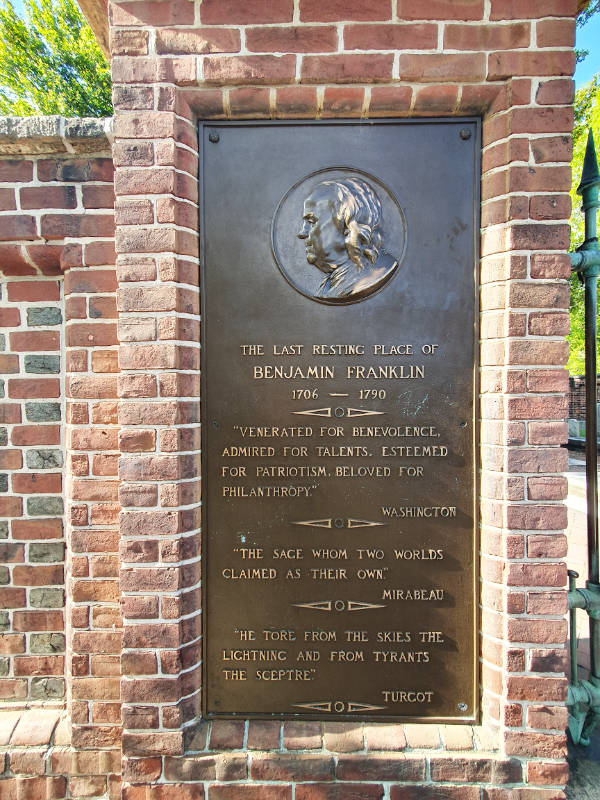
x=98 y=197
x=10 y=317
x=44 y=506
x=11 y=459
x=343 y=101
x=46 y=598
x=487 y=37
x=150 y=69
x=441 y=9
x=546 y=545
x=529 y=9
x=555 y=33
x=307 y=39
x=37 y=529
x=44 y=316
x=432 y=99
x=59 y=226
x=8 y=200
x=197 y=40
x=467 y=770
x=47 y=552
x=48 y=197
x=503 y=65
x=386 y=767
x=44 y=459
x=229 y=12
x=537 y=632
x=251 y=101
x=16 y=170
x=336 y=11
x=43 y=412
x=390 y=100
x=40 y=365
x=548 y=324
x=26 y=388
x=302 y=735
x=353 y=68
x=264 y=734
x=390 y=37
x=541 y=120
x=558 y=91
x=337 y=791
x=37 y=483
x=47 y=643
x=537 y=574
x=231 y=70
x=32 y=291
x=17 y=226
x=163 y=12
x=296 y=101
x=551 y=148
x=277 y=767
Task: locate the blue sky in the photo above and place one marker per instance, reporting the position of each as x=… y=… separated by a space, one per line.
x=588 y=38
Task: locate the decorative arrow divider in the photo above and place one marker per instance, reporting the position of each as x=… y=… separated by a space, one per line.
x=338 y=412
x=339 y=706
x=338 y=605
x=339 y=523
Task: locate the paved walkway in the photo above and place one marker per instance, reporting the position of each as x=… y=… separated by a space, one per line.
x=577 y=534
x=584 y=783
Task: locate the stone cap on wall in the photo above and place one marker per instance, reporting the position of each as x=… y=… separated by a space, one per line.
x=54 y=134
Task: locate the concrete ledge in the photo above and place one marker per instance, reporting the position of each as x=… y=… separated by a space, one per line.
x=54 y=134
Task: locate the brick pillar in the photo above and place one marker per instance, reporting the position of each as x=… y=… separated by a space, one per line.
x=158 y=301
x=524 y=304
x=91 y=491
x=511 y=64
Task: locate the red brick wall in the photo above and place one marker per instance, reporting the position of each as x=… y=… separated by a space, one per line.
x=173 y=63
x=91 y=355
x=60 y=638
x=577 y=397
x=31 y=484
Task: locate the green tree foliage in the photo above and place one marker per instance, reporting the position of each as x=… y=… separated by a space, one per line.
x=586 y=14
x=587 y=115
x=50 y=62
x=583 y=17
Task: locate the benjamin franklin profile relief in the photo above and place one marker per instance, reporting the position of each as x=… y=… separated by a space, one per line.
x=341 y=230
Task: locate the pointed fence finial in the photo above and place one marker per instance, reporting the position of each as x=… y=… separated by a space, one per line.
x=589 y=174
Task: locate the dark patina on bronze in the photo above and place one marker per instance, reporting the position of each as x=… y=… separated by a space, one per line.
x=345 y=217
x=338 y=366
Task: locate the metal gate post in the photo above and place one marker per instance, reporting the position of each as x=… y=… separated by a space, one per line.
x=584 y=696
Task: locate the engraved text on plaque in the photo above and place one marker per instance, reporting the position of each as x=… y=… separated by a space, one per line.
x=338 y=284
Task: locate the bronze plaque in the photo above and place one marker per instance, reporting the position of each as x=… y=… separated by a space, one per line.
x=339 y=375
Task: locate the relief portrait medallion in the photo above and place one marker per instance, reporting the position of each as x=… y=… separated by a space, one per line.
x=338 y=236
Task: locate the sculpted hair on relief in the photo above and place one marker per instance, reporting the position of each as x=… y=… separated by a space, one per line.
x=357 y=214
